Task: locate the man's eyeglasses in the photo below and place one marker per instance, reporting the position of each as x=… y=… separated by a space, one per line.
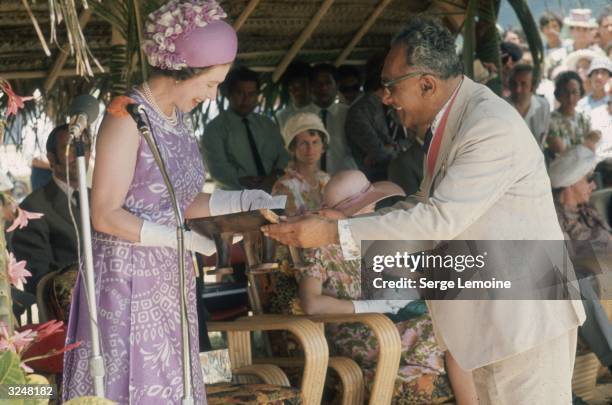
x=388 y=84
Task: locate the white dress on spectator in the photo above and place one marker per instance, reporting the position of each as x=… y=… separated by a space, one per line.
x=601 y=119
x=538 y=118
x=588 y=104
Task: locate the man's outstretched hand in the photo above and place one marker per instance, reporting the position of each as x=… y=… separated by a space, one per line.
x=307 y=232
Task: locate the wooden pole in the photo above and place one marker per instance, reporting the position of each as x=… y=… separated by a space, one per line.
x=59 y=63
x=299 y=43
x=469 y=38
x=37 y=74
x=6 y=306
x=143 y=60
x=362 y=31
x=245 y=14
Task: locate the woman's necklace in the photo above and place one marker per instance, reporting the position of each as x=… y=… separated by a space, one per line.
x=146 y=92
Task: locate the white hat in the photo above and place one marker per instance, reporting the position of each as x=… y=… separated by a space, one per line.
x=573 y=58
x=571 y=166
x=580 y=17
x=349 y=191
x=600 y=63
x=301 y=122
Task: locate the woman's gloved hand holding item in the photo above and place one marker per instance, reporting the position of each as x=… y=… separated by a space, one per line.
x=153 y=234
x=228 y=202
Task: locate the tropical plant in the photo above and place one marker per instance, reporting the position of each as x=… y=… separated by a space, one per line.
x=22 y=347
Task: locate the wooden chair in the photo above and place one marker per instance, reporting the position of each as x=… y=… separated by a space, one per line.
x=222 y=229
x=271 y=382
x=315 y=360
x=387 y=363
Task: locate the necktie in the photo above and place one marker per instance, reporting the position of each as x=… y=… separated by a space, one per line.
x=323 y=115
x=427 y=140
x=261 y=171
x=75 y=199
x=391 y=123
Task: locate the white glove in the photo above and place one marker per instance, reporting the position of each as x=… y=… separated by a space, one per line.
x=379 y=306
x=152 y=234
x=223 y=202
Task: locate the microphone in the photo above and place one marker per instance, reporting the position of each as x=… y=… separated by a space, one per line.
x=135 y=110
x=83 y=111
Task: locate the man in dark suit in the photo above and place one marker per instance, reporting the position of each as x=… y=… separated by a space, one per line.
x=50 y=243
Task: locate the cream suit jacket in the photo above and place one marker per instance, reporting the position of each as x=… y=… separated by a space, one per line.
x=489 y=183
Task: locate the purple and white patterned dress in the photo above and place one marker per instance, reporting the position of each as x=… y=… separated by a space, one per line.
x=137 y=288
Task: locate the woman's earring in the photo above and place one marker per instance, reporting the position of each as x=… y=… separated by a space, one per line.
x=176 y=82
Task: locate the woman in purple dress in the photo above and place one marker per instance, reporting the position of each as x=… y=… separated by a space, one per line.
x=190 y=50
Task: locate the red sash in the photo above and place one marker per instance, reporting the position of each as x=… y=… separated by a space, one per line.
x=434 y=147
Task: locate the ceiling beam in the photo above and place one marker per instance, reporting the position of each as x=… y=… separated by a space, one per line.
x=61 y=59
x=362 y=31
x=37 y=74
x=301 y=40
x=245 y=14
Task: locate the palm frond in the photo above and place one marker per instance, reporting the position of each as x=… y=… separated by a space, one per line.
x=532 y=33
x=487 y=44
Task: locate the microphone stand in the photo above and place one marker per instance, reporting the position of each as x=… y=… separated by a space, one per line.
x=135 y=111
x=96 y=361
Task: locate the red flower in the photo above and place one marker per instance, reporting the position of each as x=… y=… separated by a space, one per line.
x=15 y=102
x=48 y=328
x=118 y=107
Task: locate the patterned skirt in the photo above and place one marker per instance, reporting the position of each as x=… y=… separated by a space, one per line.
x=137 y=291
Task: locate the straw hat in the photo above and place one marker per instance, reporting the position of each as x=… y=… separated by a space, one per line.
x=349 y=191
x=580 y=17
x=301 y=122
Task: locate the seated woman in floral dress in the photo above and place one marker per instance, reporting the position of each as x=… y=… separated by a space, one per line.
x=306 y=139
x=568 y=126
x=330 y=284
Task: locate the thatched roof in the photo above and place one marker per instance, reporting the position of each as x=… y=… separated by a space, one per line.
x=265 y=38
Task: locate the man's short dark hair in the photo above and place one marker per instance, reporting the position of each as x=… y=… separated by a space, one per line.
x=549 y=16
x=295 y=71
x=240 y=74
x=429 y=46
x=607 y=11
x=51 y=144
x=563 y=79
x=373 y=71
x=349 y=71
x=520 y=69
x=325 y=68
x=52 y=139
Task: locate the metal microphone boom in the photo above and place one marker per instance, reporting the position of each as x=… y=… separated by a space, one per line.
x=137 y=111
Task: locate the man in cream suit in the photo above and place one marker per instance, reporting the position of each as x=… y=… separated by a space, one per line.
x=485 y=179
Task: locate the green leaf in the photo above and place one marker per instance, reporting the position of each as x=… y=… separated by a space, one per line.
x=39 y=380
x=89 y=401
x=11 y=372
x=10 y=368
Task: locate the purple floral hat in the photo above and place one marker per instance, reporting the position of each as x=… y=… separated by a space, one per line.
x=189 y=33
